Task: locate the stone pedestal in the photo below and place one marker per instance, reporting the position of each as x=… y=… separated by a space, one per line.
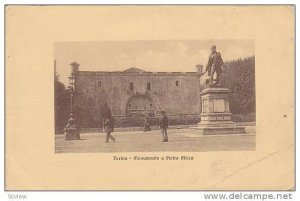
x=215 y=113
x=72 y=134
x=71 y=130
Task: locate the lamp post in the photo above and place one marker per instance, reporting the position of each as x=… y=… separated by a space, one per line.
x=71 y=129
x=71 y=88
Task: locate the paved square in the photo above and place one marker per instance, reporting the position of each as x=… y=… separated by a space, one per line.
x=180 y=140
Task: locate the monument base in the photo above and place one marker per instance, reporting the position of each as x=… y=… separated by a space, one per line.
x=72 y=135
x=215 y=115
x=220 y=130
x=71 y=130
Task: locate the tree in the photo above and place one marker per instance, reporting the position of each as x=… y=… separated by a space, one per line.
x=239 y=76
x=61 y=104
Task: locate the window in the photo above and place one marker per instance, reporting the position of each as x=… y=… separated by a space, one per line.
x=148 y=86
x=129 y=105
x=131 y=87
x=150 y=105
x=207 y=81
x=99 y=83
x=177 y=83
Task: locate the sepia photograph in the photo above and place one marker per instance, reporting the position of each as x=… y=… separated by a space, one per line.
x=147 y=96
x=150 y=97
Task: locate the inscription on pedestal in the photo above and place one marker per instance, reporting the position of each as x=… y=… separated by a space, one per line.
x=219 y=105
x=215 y=114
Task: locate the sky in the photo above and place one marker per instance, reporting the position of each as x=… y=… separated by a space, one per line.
x=153 y=56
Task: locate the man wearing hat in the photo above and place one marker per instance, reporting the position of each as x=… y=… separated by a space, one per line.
x=214 y=64
x=164 y=126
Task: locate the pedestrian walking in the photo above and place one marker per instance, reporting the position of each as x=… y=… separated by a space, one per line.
x=164 y=126
x=108 y=125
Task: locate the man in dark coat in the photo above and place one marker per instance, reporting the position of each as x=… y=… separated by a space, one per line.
x=164 y=126
x=108 y=125
x=106 y=114
x=214 y=65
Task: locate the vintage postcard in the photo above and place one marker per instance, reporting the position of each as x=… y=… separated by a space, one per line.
x=150 y=97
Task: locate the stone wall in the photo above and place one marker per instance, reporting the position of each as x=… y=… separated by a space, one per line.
x=176 y=93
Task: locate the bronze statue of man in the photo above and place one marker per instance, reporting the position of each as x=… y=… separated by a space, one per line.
x=214 y=65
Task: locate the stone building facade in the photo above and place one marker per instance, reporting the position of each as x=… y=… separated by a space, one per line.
x=134 y=93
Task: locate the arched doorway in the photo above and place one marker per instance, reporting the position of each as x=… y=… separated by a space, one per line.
x=140 y=105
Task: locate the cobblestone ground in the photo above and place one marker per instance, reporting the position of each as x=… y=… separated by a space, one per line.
x=181 y=140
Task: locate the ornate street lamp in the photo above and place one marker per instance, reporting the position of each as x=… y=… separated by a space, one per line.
x=71 y=129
